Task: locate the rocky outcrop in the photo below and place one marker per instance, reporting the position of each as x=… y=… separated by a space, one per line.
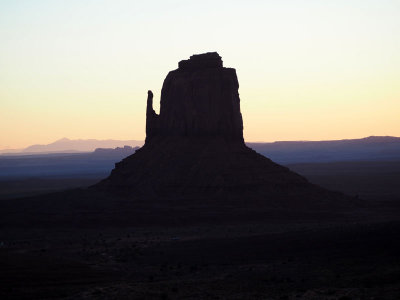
x=200 y=98
x=201 y=61
x=195 y=147
x=151 y=118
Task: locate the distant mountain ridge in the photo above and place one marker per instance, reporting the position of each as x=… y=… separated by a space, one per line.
x=371 y=148
x=66 y=145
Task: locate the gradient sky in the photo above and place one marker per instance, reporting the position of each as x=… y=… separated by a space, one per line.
x=308 y=70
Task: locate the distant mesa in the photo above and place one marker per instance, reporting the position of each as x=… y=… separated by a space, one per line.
x=66 y=145
x=125 y=149
x=194 y=147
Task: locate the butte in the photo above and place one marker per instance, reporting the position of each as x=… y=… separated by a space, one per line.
x=194 y=147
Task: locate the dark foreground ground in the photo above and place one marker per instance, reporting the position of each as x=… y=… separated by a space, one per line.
x=377 y=180
x=349 y=254
x=204 y=250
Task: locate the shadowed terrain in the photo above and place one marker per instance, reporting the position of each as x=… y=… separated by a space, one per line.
x=196 y=214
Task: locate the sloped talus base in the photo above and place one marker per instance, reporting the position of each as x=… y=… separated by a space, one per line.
x=209 y=167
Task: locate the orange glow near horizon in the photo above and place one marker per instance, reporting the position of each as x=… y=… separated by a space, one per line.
x=307 y=70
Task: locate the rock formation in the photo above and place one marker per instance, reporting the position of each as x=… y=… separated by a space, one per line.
x=195 y=147
x=200 y=98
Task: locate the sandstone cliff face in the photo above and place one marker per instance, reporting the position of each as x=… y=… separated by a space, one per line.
x=200 y=98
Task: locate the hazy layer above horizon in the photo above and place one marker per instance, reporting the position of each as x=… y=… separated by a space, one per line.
x=66 y=145
x=308 y=70
x=373 y=148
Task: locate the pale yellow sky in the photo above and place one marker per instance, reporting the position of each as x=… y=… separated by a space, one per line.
x=308 y=70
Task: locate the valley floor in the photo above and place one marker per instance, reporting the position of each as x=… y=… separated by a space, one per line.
x=167 y=253
x=278 y=258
